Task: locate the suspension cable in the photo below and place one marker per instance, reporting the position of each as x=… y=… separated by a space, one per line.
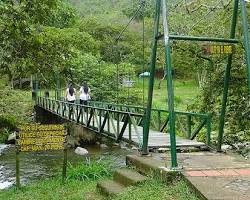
x=119 y=37
x=204 y=16
x=133 y=17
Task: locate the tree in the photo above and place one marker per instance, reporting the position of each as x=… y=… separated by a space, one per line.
x=20 y=23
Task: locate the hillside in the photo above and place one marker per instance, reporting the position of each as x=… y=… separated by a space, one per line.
x=108 y=11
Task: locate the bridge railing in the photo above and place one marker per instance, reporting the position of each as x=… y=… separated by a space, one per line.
x=117 y=124
x=188 y=124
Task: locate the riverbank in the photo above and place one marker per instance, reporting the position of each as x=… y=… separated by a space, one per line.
x=41 y=177
x=52 y=189
x=44 y=165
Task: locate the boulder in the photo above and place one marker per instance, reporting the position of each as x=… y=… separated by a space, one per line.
x=163 y=150
x=240 y=146
x=81 y=151
x=103 y=146
x=11 y=138
x=226 y=147
x=134 y=148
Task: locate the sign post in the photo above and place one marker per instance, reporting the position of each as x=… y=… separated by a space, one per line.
x=36 y=138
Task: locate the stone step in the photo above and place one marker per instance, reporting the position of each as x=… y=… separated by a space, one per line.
x=110 y=187
x=145 y=165
x=128 y=177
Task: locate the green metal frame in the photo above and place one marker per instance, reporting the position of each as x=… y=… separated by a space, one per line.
x=168 y=38
x=227 y=78
x=151 y=80
x=246 y=37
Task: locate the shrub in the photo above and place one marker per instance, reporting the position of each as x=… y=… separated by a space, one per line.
x=8 y=122
x=4 y=134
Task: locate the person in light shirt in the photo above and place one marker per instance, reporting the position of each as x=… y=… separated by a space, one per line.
x=71 y=94
x=71 y=98
x=84 y=94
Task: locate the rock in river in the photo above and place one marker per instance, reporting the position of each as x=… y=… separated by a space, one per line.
x=81 y=151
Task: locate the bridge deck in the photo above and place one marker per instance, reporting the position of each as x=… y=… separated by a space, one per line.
x=159 y=140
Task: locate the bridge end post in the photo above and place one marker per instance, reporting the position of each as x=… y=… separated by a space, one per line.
x=147 y=115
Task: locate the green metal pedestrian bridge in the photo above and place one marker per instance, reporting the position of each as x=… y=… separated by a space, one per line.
x=125 y=122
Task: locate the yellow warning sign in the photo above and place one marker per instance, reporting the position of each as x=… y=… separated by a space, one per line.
x=40 y=138
x=218 y=49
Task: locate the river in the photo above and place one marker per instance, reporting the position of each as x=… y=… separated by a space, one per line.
x=34 y=166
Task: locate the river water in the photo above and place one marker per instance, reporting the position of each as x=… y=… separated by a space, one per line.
x=34 y=166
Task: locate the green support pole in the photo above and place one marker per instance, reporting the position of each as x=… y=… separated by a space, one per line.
x=143 y=51
x=246 y=38
x=146 y=123
x=202 y=39
x=189 y=127
x=170 y=87
x=209 y=119
x=36 y=89
x=18 y=184
x=58 y=96
x=64 y=171
x=227 y=78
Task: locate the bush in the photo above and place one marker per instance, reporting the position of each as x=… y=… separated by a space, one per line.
x=89 y=170
x=8 y=122
x=4 y=134
x=7 y=125
x=16 y=106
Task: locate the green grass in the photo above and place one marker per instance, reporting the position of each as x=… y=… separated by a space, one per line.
x=52 y=189
x=89 y=170
x=184 y=91
x=155 y=189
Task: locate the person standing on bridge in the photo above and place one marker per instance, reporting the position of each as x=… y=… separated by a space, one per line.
x=71 y=94
x=84 y=94
x=71 y=97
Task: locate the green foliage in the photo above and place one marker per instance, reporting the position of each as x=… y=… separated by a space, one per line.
x=89 y=170
x=20 y=25
x=238 y=109
x=4 y=134
x=105 y=80
x=127 y=48
x=58 y=51
x=131 y=8
x=8 y=124
x=64 y=16
x=106 y=11
x=8 y=121
x=15 y=107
